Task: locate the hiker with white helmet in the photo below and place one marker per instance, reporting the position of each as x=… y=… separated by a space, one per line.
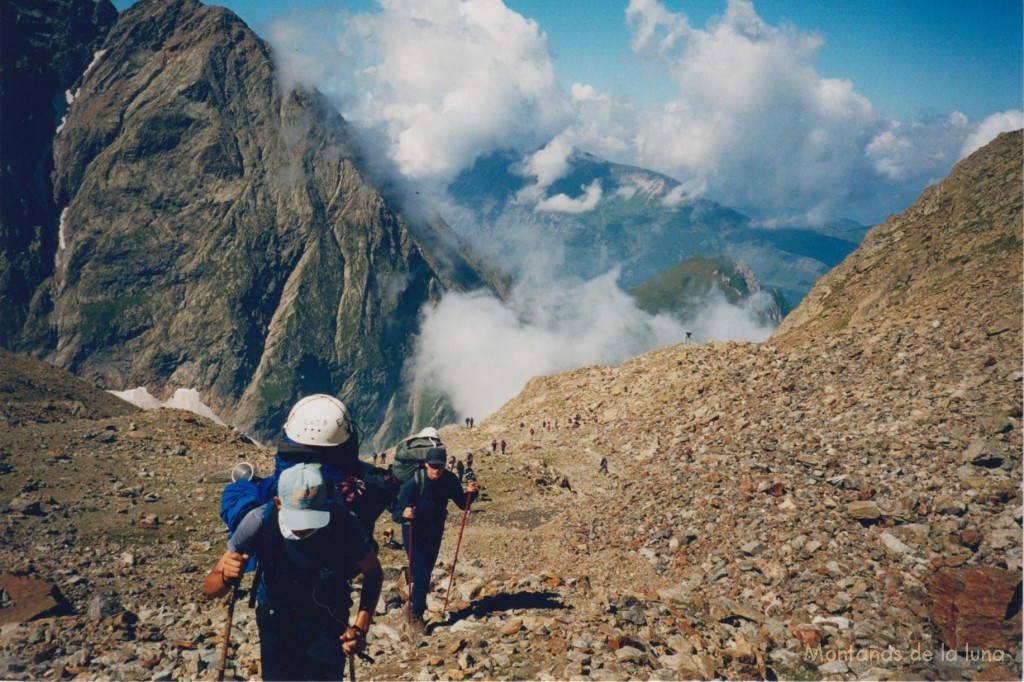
x=308 y=549
x=319 y=429
x=319 y=437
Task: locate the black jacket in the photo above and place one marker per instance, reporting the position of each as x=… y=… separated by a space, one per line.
x=432 y=506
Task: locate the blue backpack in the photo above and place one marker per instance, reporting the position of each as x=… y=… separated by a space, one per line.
x=360 y=487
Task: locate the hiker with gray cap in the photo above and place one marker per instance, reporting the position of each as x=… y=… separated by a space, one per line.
x=422 y=508
x=308 y=548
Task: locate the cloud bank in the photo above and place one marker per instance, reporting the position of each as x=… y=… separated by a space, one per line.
x=481 y=351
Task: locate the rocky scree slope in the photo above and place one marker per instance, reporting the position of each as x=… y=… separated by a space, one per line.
x=852 y=484
x=218 y=234
x=832 y=506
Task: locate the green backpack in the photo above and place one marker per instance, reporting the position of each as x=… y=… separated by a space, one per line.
x=411 y=457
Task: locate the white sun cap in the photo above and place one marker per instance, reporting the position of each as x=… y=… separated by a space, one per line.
x=319 y=420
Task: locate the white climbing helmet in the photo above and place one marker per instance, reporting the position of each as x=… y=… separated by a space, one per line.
x=429 y=432
x=319 y=420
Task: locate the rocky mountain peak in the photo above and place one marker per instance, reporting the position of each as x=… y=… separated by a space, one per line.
x=218 y=234
x=948 y=258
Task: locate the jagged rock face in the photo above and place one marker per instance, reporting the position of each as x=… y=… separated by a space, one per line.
x=218 y=235
x=47 y=44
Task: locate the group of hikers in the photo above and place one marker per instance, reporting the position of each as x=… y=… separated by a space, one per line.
x=307 y=531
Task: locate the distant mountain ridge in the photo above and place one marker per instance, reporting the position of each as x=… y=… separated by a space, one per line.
x=681 y=290
x=646 y=223
x=216 y=234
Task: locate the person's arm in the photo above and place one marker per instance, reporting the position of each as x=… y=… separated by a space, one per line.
x=404 y=504
x=231 y=565
x=354 y=638
x=457 y=495
x=228 y=570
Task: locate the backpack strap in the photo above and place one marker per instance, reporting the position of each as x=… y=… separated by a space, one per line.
x=421 y=481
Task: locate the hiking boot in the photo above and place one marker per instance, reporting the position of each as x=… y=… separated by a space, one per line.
x=416 y=626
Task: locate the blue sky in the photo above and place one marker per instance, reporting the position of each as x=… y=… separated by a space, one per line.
x=789 y=111
x=911 y=58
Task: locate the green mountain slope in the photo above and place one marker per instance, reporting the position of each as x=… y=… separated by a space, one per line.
x=680 y=290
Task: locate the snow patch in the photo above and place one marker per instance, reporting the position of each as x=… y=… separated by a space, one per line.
x=139 y=397
x=70 y=97
x=60 y=233
x=61 y=243
x=183 y=399
x=96 y=57
x=652 y=187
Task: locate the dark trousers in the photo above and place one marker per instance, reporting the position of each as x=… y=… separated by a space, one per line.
x=426 y=543
x=295 y=648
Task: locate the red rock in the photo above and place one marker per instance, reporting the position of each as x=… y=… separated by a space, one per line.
x=616 y=642
x=45 y=652
x=807 y=635
x=977 y=607
x=971 y=538
x=31 y=599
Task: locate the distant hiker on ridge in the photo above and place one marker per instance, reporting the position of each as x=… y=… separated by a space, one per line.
x=604 y=466
x=422 y=515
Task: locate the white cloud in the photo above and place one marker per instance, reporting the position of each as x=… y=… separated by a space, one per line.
x=752 y=118
x=562 y=203
x=919 y=153
x=990 y=128
x=480 y=352
x=450 y=80
x=684 y=193
x=550 y=163
x=308 y=49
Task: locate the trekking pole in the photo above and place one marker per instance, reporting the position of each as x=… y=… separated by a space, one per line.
x=458 y=544
x=227 y=632
x=408 y=603
x=352 y=667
